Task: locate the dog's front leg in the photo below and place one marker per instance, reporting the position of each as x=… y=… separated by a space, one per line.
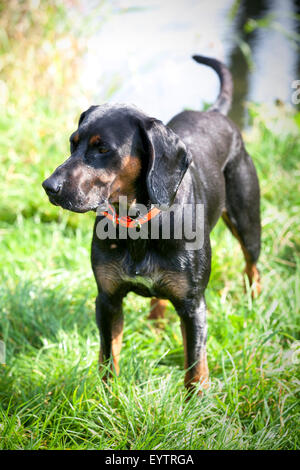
x=109 y=317
x=194 y=331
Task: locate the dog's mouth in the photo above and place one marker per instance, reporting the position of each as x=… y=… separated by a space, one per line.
x=67 y=204
x=77 y=207
x=52 y=200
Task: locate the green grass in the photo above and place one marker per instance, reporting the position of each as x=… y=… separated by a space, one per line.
x=51 y=395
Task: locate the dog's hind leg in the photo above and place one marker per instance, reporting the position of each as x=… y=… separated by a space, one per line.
x=157 y=308
x=242 y=214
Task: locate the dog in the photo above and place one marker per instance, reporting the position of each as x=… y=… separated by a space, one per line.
x=198 y=158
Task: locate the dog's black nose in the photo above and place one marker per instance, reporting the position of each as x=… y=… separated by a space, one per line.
x=52 y=186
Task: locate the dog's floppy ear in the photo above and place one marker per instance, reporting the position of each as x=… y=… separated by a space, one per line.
x=85 y=113
x=168 y=161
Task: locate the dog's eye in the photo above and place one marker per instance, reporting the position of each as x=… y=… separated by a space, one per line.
x=103 y=149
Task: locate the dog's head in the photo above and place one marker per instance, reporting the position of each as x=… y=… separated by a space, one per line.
x=115 y=150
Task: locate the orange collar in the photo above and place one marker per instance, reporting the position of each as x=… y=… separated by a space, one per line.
x=128 y=221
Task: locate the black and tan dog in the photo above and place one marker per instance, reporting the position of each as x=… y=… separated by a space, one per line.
x=197 y=158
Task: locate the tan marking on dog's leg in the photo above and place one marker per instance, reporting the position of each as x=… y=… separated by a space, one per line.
x=251 y=269
x=116 y=345
x=254 y=279
x=199 y=373
x=157 y=308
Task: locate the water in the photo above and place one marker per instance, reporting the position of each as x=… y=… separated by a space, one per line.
x=273 y=51
x=141 y=54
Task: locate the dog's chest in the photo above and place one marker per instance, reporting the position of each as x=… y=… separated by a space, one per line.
x=144 y=278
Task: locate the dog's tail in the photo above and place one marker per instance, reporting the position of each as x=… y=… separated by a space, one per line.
x=223 y=102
